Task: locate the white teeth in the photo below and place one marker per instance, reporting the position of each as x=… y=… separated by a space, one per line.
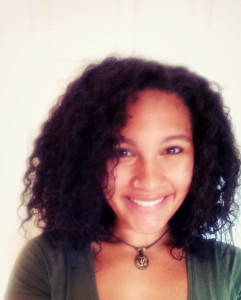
x=147 y=203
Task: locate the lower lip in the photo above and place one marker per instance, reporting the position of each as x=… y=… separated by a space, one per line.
x=146 y=209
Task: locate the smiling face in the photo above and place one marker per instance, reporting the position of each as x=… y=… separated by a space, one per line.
x=155 y=168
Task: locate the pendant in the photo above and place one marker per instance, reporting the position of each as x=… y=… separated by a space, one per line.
x=141 y=261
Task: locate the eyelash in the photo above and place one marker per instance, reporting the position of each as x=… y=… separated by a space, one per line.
x=169 y=151
x=123 y=152
x=173 y=150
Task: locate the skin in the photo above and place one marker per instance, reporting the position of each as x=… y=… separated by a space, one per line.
x=145 y=190
x=155 y=169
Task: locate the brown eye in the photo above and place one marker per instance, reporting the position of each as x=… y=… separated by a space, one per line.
x=174 y=150
x=123 y=153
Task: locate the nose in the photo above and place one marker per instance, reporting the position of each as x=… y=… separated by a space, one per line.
x=147 y=176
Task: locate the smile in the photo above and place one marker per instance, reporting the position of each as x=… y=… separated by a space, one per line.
x=147 y=203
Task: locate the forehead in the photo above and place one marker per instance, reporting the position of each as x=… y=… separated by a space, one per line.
x=160 y=106
x=156 y=116
x=150 y=97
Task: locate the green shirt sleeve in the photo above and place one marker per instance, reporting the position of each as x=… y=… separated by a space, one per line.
x=30 y=278
x=214 y=272
x=42 y=273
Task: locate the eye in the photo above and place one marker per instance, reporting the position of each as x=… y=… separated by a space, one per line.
x=173 y=150
x=123 y=152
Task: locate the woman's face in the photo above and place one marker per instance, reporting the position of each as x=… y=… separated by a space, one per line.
x=155 y=168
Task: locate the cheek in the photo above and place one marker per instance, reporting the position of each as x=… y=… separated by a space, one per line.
x=120 y=175
x=181 y=175
x=185 y=178
x=118 y=181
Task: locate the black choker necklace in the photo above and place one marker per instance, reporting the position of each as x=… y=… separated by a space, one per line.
x=141 y=260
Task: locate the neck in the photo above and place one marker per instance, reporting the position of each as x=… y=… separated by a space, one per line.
x=142 y=239
x=141 y=260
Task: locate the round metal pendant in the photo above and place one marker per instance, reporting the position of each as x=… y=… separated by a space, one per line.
x=141 y=262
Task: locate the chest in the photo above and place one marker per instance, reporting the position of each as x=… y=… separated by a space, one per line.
x=118 y=278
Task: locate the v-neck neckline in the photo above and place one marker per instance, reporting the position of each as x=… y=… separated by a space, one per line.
x=190 y=275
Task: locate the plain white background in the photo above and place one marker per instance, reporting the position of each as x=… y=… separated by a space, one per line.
x=46 y=43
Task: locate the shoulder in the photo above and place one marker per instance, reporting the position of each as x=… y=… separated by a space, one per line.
x=40 y=253
x=214 y=253
x=37 y=253
x=215 y=250
x=38 y=247
x=40 y=270
x=42 y=249
x=31 y=274
x=217 y=265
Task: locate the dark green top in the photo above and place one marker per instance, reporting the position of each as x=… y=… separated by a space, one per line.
x=214 y=273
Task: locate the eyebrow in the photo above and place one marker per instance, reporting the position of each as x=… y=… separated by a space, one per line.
x=178 y=137
x=166 y=139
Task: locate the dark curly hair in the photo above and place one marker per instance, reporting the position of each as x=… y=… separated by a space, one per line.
x=66 y=171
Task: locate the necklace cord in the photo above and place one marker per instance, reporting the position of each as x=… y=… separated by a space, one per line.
x=141 y=248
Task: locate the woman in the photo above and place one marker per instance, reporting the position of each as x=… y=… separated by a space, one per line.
x=134 y=169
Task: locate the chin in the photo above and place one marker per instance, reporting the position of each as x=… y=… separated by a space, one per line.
x=149 y=228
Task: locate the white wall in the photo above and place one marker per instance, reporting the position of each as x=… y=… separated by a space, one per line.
x=45 y=43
